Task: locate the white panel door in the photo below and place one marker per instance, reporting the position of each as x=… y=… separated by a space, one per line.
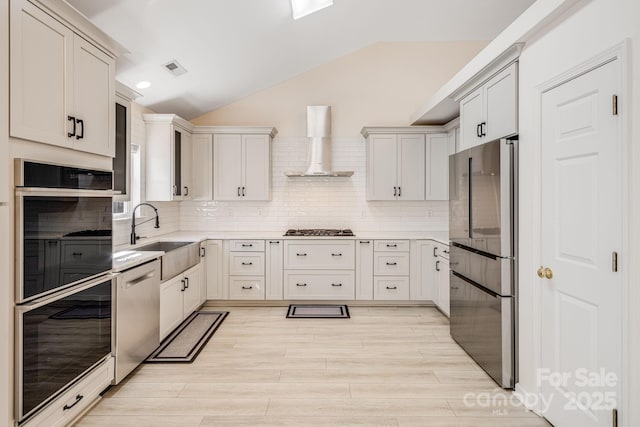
x=274 y=272
x=501 y=104
x=581 y=214
x=93 y=99
x=364 y=270
x=471 y=116
x=41 y=68
x=186 y=165
x=213 y=276
x=411 y=167
x=171 y=305
x=227 y=159
x=202 y=167
x=442 y=277
x=437 y=174
x=382 y=174
x=256 y=167
x=192 y=291
x=423 y=281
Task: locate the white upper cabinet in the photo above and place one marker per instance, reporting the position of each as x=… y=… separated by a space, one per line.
x=242 y=165
x=437 y=174
x=169 y=156
x=395 y=167
x=491 y=111
x=62 y=86
x=202 y=167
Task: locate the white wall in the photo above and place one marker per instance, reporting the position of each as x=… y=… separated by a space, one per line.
x=381 y=85
x=587 y=30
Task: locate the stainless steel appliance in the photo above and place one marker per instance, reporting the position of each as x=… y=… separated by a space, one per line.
x=60 y=338
x=137 y=320
x=63 y=227
x=483 y=234
x=322 y=232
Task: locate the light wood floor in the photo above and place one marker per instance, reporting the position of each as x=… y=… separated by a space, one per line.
x=385 y=366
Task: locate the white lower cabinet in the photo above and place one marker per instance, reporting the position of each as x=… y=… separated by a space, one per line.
x=274 y=273
x=72 y=403
x=319 y=284
x=364 y=270
x=423 y=281
x=213 y=268
x=391 y=288
x=245 y=266
x=179 y=297
x=246 y=287
x=442 y=278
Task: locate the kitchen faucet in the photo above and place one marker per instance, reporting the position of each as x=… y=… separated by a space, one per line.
x=135 y=238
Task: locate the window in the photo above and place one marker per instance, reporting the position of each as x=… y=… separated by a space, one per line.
x=123 y=209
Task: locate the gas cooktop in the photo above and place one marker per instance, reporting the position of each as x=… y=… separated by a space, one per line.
x=314 y=232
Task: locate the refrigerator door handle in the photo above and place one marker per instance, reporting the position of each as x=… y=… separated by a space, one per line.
x=472 y=283
x=470 y=206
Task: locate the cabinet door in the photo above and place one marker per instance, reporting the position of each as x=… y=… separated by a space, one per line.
x=501 y=108
x=202 y=167
x=171 y=305
x=423 y=285
x=192 y=292
x=442 y=272
x=364 y=270
x=437 y=186
x=93 y=98
x=213 y=264
x=256 y=167
x=411 y=167
x=227 y=159
x=41 y=71
x=382 y=173
x=471 y=115
x=274 y=277
x=186 y=166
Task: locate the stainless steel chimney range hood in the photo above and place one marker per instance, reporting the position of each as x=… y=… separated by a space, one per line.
x=319 y=151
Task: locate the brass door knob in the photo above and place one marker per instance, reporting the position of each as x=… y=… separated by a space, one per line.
x=545 y=272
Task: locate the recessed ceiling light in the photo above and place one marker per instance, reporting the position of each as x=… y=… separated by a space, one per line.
x=306 y=7
x=143 y=84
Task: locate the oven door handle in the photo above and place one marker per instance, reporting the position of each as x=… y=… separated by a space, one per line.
x=63 y=192
x=48 y=299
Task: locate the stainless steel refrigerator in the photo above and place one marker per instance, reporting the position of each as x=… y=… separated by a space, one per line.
x=483 y=234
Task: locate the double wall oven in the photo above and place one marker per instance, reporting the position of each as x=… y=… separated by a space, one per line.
x=64 y=286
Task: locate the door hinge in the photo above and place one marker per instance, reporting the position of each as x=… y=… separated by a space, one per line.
x=614 y=418
x=615 y=105
x=614 y=262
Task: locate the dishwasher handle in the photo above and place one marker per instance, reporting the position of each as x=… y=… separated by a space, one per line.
x=140 y=279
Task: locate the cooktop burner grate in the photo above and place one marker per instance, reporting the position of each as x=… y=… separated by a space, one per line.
x=313 y=232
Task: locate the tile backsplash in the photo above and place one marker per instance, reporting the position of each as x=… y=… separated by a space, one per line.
x=316 y=202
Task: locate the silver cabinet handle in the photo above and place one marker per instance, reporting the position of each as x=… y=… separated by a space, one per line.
x=247 y=263
x=301 y=254
x=301 y=284
x=392 y=263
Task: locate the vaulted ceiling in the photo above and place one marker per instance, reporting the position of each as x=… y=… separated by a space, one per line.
x=233 y=48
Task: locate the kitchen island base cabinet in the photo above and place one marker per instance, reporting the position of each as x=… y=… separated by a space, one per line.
x=179 y=297
x=319 y=285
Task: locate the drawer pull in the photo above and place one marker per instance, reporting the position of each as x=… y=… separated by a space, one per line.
x=301 y=254
x=301 y=284
x=274 y=242
x=77 y=254
x=434 y=251
x=336 y=254
x=337 y=285
x=78 y=399
x=392 y=263
x=392 y=287
x=392 y=246
x=364 y=242
x=247 y=263
x=247 y=245
x=247 y=287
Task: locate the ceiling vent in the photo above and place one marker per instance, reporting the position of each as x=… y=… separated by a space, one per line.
x=175 y=68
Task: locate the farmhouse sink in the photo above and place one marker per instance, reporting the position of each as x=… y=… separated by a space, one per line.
x=178 y=257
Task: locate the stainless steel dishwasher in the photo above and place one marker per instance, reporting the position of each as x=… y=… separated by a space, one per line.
x=137 y=317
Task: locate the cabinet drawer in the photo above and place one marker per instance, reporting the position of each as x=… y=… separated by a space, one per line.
x=319 y=284
x=319 y=254
x=246 y=287
x=391 y=288
x=391 y=264
x=391 y=246
x=442 y=250
x=246 y=245
x=246 y=264
x=84 y=392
